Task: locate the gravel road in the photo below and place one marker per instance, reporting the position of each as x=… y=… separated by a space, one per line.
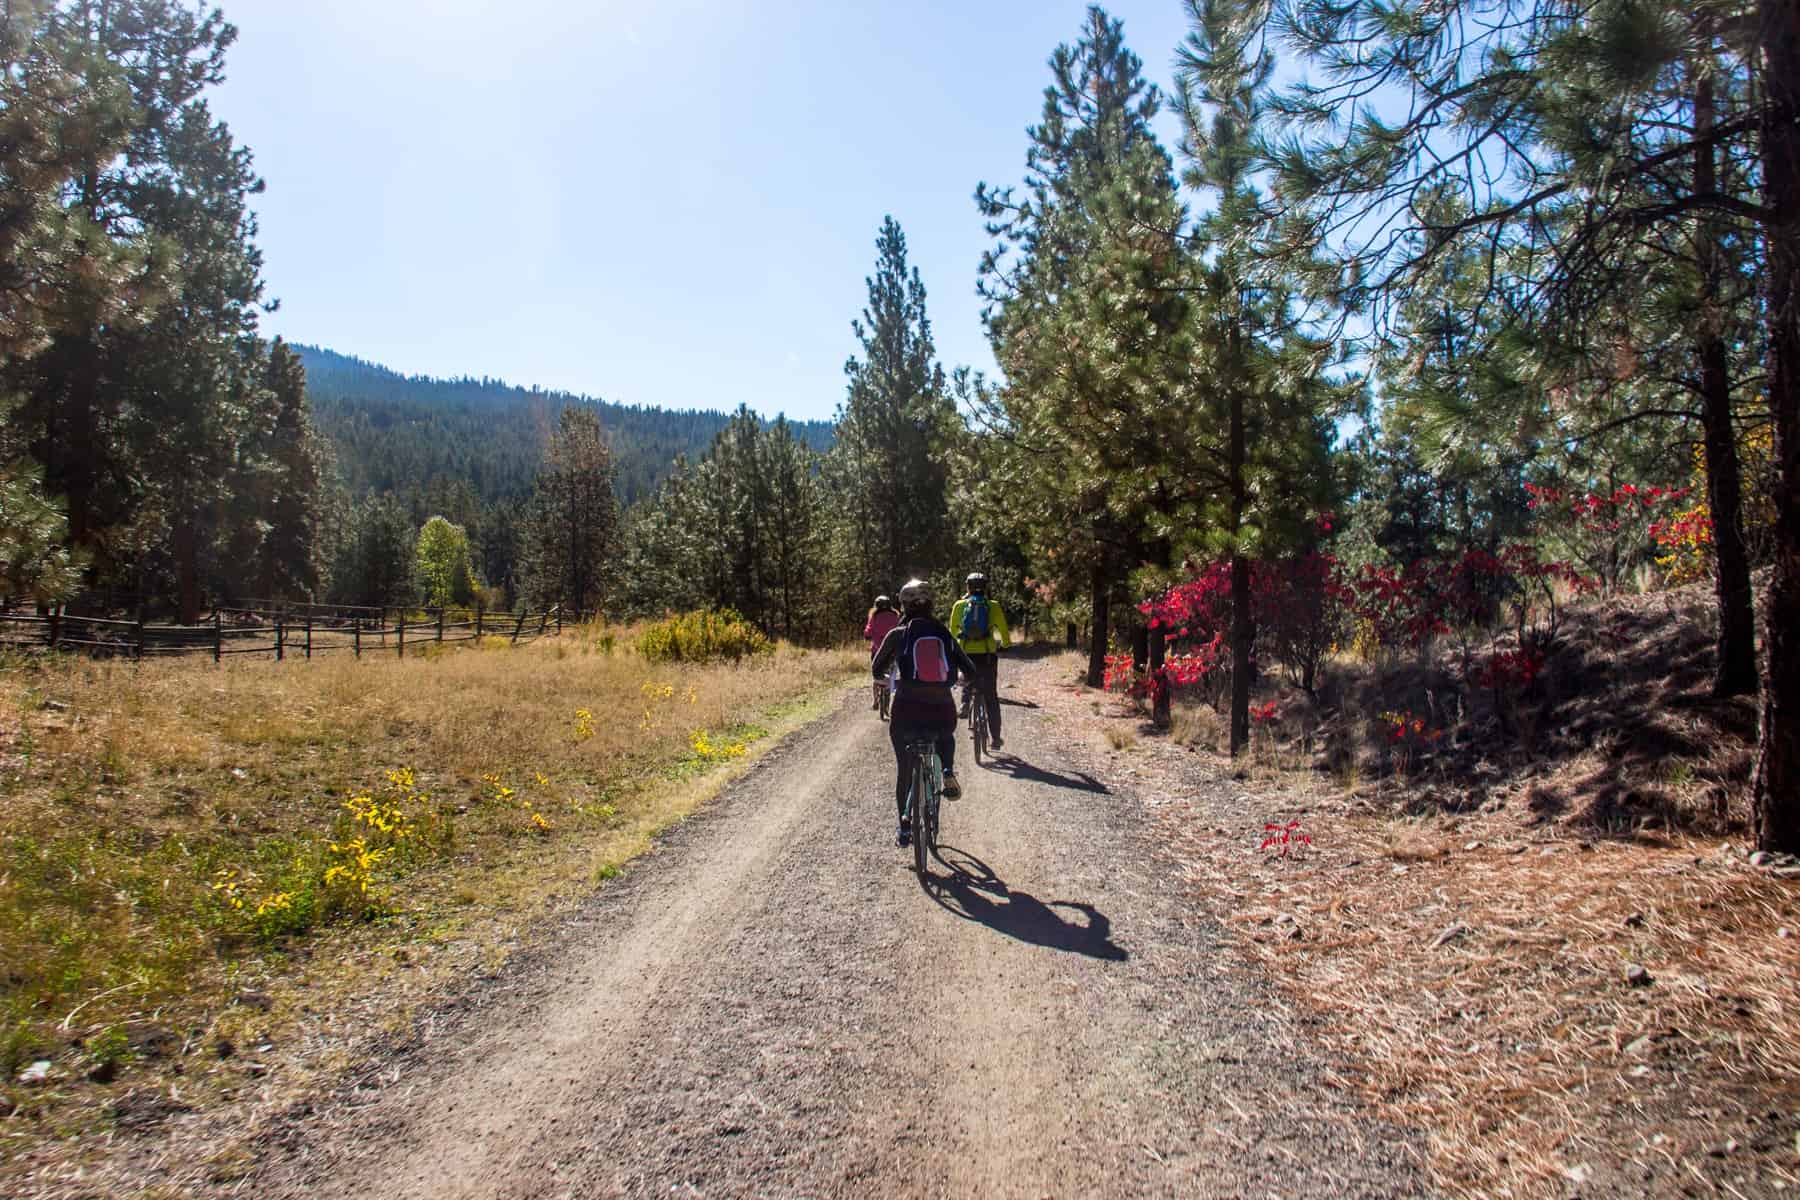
x=772 y=1004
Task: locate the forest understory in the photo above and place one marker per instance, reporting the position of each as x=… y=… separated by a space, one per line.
x=1545 y=942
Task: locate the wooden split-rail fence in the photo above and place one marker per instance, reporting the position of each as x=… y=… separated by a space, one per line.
x=300 y=631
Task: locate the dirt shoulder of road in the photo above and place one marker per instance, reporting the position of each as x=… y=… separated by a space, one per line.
x=1558 y=1011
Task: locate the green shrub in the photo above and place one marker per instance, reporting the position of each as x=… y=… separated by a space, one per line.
x=702 y=636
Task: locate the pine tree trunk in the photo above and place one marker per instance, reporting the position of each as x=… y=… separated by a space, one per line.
x=1736 y=670
x=1777 y=789
x=1102 y=595
x=186 y=547
x=1240 y=572
x=1159 y=694
x=1241 y=636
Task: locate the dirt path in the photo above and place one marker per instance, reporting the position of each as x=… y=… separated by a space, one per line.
x=773 y=1005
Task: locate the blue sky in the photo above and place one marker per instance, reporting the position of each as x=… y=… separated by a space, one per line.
x=671 y=204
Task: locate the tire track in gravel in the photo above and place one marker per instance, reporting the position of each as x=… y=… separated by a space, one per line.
x=773 y=1005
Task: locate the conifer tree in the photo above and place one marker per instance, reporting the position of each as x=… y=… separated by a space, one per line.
x=292 y=460
x=374 y=564
x=1550 y=136
x=891 y=427
x=1087 y=316
x=572 y=526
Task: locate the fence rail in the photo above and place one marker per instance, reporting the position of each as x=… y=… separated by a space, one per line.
x=298 y=630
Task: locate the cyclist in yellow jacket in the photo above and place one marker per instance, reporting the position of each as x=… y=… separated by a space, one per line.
x=979 y=626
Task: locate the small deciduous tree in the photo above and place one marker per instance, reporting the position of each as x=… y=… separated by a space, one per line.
x=441 y=564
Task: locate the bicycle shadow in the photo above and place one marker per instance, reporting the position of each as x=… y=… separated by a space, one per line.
x=1006 y=763
x=975 y=892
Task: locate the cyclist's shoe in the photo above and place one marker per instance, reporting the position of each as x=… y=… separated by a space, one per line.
x=952 y=789
x=995 y=743
x=904 y=837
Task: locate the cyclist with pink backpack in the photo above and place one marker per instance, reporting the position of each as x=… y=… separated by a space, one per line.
x=929 y=661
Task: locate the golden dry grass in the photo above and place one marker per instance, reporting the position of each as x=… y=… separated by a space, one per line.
x=128 y=787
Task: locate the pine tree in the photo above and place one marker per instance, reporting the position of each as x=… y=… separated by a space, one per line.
x=891 y=427
x=288 y=554
x=572 y=524
x=374 y=563
x=1551 y=136
x=1088 y=317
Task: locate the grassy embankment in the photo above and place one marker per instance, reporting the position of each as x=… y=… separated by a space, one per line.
x=191 y=856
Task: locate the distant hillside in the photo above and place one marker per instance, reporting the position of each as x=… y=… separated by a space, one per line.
x=411 y=434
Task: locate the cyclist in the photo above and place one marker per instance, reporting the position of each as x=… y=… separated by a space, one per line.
x=980 y=629
x=929 y=660
x=882 y=619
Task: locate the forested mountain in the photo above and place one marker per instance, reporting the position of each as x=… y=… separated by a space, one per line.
x=412 y=434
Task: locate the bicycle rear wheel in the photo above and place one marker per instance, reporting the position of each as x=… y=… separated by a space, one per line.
x=978 y=724
x=886 y=698
x=922 y=801
x=936 y=794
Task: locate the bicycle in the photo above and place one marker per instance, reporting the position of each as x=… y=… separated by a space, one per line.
x=922 y=800
x=884 y=694
x=978 y=720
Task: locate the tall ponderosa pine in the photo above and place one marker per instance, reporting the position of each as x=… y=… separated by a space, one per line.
x=887 y=460
x=1552 y=134
x=130 y=287
x=572 y=526
x=139 y=422
x=1263 y=381
x=1088 y=319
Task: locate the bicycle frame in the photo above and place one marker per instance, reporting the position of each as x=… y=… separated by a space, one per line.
x=923 y=810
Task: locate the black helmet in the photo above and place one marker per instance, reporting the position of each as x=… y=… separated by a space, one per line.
x=883 y=603
x=915 y=597
x=976 y=582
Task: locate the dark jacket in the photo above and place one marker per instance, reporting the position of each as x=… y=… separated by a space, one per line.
x=929 y=661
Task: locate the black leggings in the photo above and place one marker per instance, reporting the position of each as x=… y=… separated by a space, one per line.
x=902 y=732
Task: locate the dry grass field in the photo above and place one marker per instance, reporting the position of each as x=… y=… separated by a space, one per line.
x=180 y=842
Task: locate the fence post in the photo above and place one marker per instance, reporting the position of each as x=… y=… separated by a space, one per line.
x=440 y=636
x=517 y=629
x=309 y=635
x=543 y=623
x=478 y=620
x=356 y=636
x=559 y=620
x=140 y=632
x=280 y=636
x=400 y=631
x=56 y=616
x=218 y=634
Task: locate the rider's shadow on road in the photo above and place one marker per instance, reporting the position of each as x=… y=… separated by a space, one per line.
x=974 y=892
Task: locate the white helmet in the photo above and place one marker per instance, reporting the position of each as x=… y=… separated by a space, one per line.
x=915 y=597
